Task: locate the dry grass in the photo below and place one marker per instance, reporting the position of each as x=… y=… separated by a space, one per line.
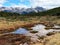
x=54 y=39
x=12 y=25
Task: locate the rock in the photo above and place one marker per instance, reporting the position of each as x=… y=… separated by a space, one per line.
x=21 y=44
x=25 y=44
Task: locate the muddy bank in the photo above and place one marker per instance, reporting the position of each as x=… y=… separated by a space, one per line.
x=17 y=39
x=13 y=39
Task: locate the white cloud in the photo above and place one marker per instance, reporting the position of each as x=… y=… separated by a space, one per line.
x=2 y=2
x=19 y=5
x=33 y=3
x=45 y=3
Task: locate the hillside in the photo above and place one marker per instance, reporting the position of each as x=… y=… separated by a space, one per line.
x=51 y=12
x=55 y=11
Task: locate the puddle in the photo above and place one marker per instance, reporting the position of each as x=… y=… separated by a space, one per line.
x=21 y=31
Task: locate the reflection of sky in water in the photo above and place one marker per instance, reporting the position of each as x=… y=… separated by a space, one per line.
x=21 y=31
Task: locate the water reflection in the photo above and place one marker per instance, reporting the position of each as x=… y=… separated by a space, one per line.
x=21 y=31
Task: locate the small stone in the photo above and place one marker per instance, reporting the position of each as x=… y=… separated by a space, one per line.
x=21 y=44
x=25 y=44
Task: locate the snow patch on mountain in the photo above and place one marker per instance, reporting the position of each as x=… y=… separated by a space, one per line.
x=22 y=10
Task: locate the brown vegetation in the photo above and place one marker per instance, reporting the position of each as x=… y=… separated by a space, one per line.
x=13 y=39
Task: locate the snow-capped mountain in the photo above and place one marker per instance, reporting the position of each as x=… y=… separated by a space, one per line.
x=22 y=10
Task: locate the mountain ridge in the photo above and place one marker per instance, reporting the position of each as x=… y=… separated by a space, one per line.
x=22 y=10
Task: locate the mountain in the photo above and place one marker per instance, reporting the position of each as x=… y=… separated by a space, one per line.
x=53 y=12
x=50 y=12
x=22 y=10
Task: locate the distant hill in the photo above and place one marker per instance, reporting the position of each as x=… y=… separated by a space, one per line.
x=55 y=11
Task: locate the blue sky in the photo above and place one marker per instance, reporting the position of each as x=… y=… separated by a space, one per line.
x=30 y=3
x=26 y=2
x=16 y=2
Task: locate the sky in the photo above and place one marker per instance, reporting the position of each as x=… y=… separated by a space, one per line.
x=48 y=4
